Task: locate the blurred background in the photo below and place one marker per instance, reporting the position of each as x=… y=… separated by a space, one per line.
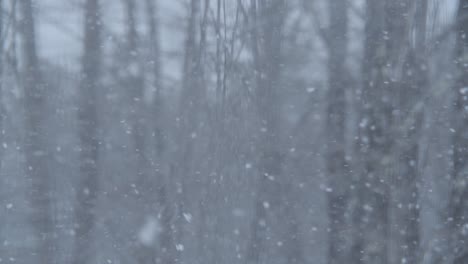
x=233 y=131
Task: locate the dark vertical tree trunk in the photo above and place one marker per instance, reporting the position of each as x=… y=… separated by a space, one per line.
x=410 y=105
x=389 y=129
x=145 y=251
x=407 y=77
x=35 y=149
x=156 y=79
x=166 y=252
x=458 y=203
x=256 y=247
x=2 y=110
x=87 y=191
x=190 y=96
x=2 y=113
x=371 y=215
x=218 y=50
x=135 y=91
x=189 y=114
x=337 y=169
x=267 y=21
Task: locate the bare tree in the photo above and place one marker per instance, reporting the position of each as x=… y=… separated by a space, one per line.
x=390 y=124
x=2 y=42
x=35 y=149
x=266 y=25
x=141 y=127
x=458 y=207
x=372 y=207
x=135 y=90
x=337 y=169
x=413 y=87
x=87 y=192
x=189 y=113
x=167 y=250
x=2 y=111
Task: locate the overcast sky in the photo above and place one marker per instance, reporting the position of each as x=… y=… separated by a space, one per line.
x=60 y=29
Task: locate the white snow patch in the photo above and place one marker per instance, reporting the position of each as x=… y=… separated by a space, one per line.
x=325 y=188
x=238 y=212
x=363 y=123
x=368 y=208
x=310 y=89
x=179 y=247
x=149 y=231
x=188 y=217
x=465 y=229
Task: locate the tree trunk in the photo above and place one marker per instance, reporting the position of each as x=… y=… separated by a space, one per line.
x=87 y=191
x=35 y=149
x=2 y=109
x=408 y=78
x=138 y=116
x=166 y=253
x=458 y=203
x=337 y=170
x=406 y=213
x=370 y=243
x=189 y=117
x=267 y=21
x=2 y=113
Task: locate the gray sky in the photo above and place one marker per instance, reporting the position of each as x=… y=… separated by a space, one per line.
x=60 y=28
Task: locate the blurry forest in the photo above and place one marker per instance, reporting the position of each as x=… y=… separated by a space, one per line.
x=234 y=131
